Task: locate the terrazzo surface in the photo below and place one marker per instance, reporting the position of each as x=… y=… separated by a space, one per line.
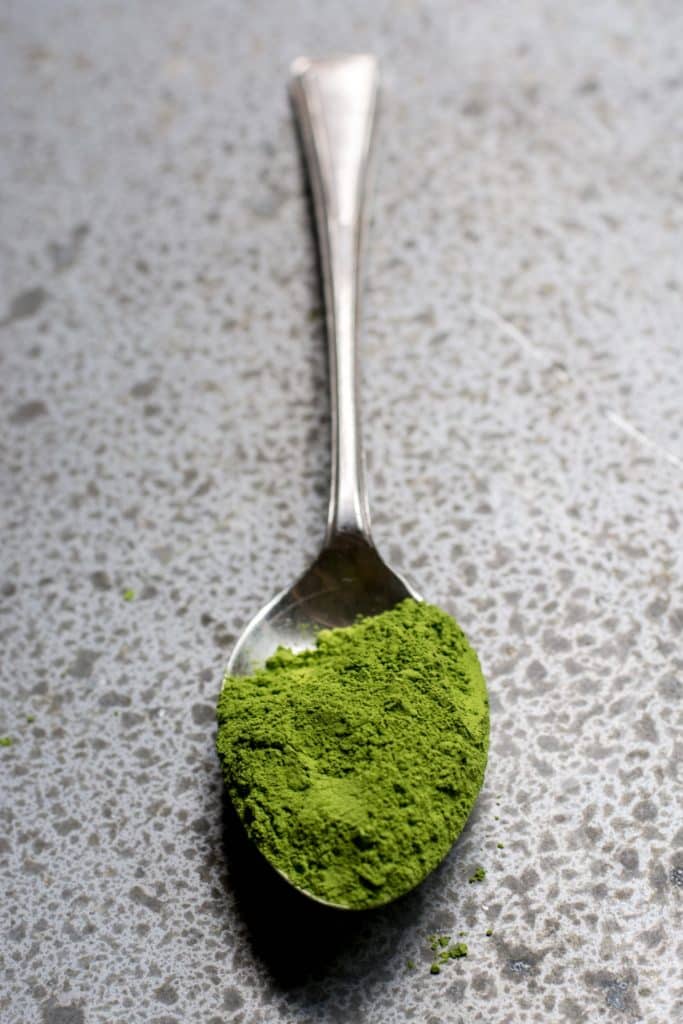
x=164 y=454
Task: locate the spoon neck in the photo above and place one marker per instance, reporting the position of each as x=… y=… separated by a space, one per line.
x=348 y=515
x=348 y=507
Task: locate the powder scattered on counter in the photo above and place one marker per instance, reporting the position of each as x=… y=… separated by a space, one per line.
x=501 y=846
x=489 y=931
x=478 y=875
x=355 y=765
x=445 y=951
x=129 y=594
x=6 y=741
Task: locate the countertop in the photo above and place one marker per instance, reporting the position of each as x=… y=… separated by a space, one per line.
x=165 y=468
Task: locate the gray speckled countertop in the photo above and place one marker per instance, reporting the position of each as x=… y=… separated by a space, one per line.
x=164 y=432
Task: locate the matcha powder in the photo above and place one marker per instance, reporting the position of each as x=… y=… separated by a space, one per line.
x=355 y=765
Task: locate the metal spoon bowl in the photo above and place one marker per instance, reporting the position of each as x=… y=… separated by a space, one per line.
x=347 y=580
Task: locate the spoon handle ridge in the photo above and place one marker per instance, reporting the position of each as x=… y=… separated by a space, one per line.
x=334 y=103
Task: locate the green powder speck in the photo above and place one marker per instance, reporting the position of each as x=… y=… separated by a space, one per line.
x=6 y=741
x=30 y=718
x=501 y=846
x=129 y=594
x=355 y=765
x=478 y=875
x=489 y=931
x=410 y=964
x=454 y=951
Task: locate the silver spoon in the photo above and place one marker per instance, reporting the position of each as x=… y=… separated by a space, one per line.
x=334 y=103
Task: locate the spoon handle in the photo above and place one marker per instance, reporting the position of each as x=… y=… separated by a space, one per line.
x=334 y=103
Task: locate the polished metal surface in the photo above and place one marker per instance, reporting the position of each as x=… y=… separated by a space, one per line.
x=334 y=102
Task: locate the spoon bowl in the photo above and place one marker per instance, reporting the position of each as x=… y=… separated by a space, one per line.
x=348 y=580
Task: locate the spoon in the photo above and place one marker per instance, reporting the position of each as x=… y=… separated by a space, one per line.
x=334 y=103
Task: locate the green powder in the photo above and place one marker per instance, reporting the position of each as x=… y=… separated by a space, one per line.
x=355 y=765
x=445 y=950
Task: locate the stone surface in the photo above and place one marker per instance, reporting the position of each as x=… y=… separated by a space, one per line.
x=164 y=456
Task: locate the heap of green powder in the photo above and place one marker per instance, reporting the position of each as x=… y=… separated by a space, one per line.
x=355 y=765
